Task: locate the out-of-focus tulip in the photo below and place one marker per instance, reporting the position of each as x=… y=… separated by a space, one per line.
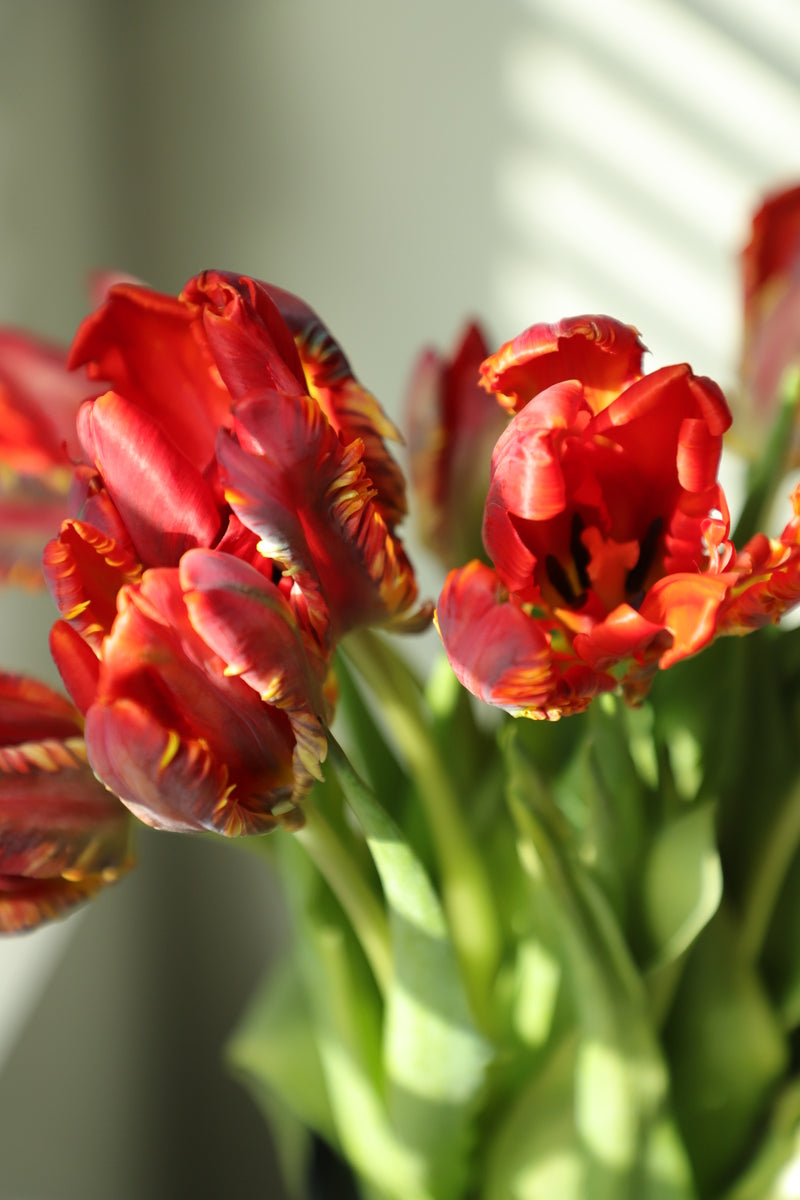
x=771 y=342
x=452 y=426
x=63 y=836
x=39 y=401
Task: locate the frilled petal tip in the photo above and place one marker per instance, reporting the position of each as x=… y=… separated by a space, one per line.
x=177 y=783
x=768 y=579
x=688 y=606
x=289 y=479
x=495 y=649
x=504 y=656
x=63 y=836
x=84 y=570
x=604 y=354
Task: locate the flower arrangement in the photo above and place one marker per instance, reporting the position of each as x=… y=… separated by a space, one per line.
x=533 y=958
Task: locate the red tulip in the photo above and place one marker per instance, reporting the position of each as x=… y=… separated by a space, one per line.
x=608 y=533
x=452 y=425
x=63 y=836
x=206 y=387
x=39 y=401
x=771 y=278
x=205 y=707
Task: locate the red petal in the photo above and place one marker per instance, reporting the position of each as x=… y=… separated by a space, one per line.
x=39 y=401
x=687 y=605
x=84 y=570
x=151 y=349
x=30 y=711
x=623 y=634
x=62 y=835
x=289 y=479
x=496 y=650
x=251 y=343
x=77 y=664
x=604 y=354
x=163 y=500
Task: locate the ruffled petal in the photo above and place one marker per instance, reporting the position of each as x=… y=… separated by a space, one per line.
x=288 y=478
x=496 y=650
x=84 y=570
x=63 y=836
x=150 y=348
x=164 y=501
x=604 y=354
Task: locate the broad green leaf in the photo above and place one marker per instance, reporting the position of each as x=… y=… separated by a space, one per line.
x=726 y=1050
x=273 y=1051
x=346 y=1028
x=774 y=1171
x=681 y=883
x=433 y=1056
x=536 y=1153
x=629 y=1147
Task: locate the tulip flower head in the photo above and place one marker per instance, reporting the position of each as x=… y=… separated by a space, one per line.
x=606 y=525
x=232 y=517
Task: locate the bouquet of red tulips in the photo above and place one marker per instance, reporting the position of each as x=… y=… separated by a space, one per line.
x=532 y=959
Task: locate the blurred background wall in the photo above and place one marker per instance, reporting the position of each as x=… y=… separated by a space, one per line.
x=401 y=166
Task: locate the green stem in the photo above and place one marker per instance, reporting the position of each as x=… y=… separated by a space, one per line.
x=767 y=880
x=345 y=878
x=767 y=473
x=466 y=893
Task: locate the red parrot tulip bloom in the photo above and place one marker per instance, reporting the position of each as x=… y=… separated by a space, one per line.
x=203 y=710
x=606 y=526
x=771 y=285
x=233 y=516
x=452 y=426
x=63 y=836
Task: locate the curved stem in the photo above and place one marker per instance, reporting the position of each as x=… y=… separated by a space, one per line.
x=769 y=875
x=345 y=878
x=466 y=893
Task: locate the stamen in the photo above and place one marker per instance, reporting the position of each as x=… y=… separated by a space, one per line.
x=580 y=555
x=560 y=580
x=634 y=580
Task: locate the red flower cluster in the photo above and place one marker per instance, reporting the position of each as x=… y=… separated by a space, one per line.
x=233 y=517
x=606 y=525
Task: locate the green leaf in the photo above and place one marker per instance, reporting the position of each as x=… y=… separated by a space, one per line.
x=433 y=1056
x=273 y=1052
x=628 y=1144
x=681 y=883
x=726 y=1050
x=346 y=1027
x=774 y=1171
